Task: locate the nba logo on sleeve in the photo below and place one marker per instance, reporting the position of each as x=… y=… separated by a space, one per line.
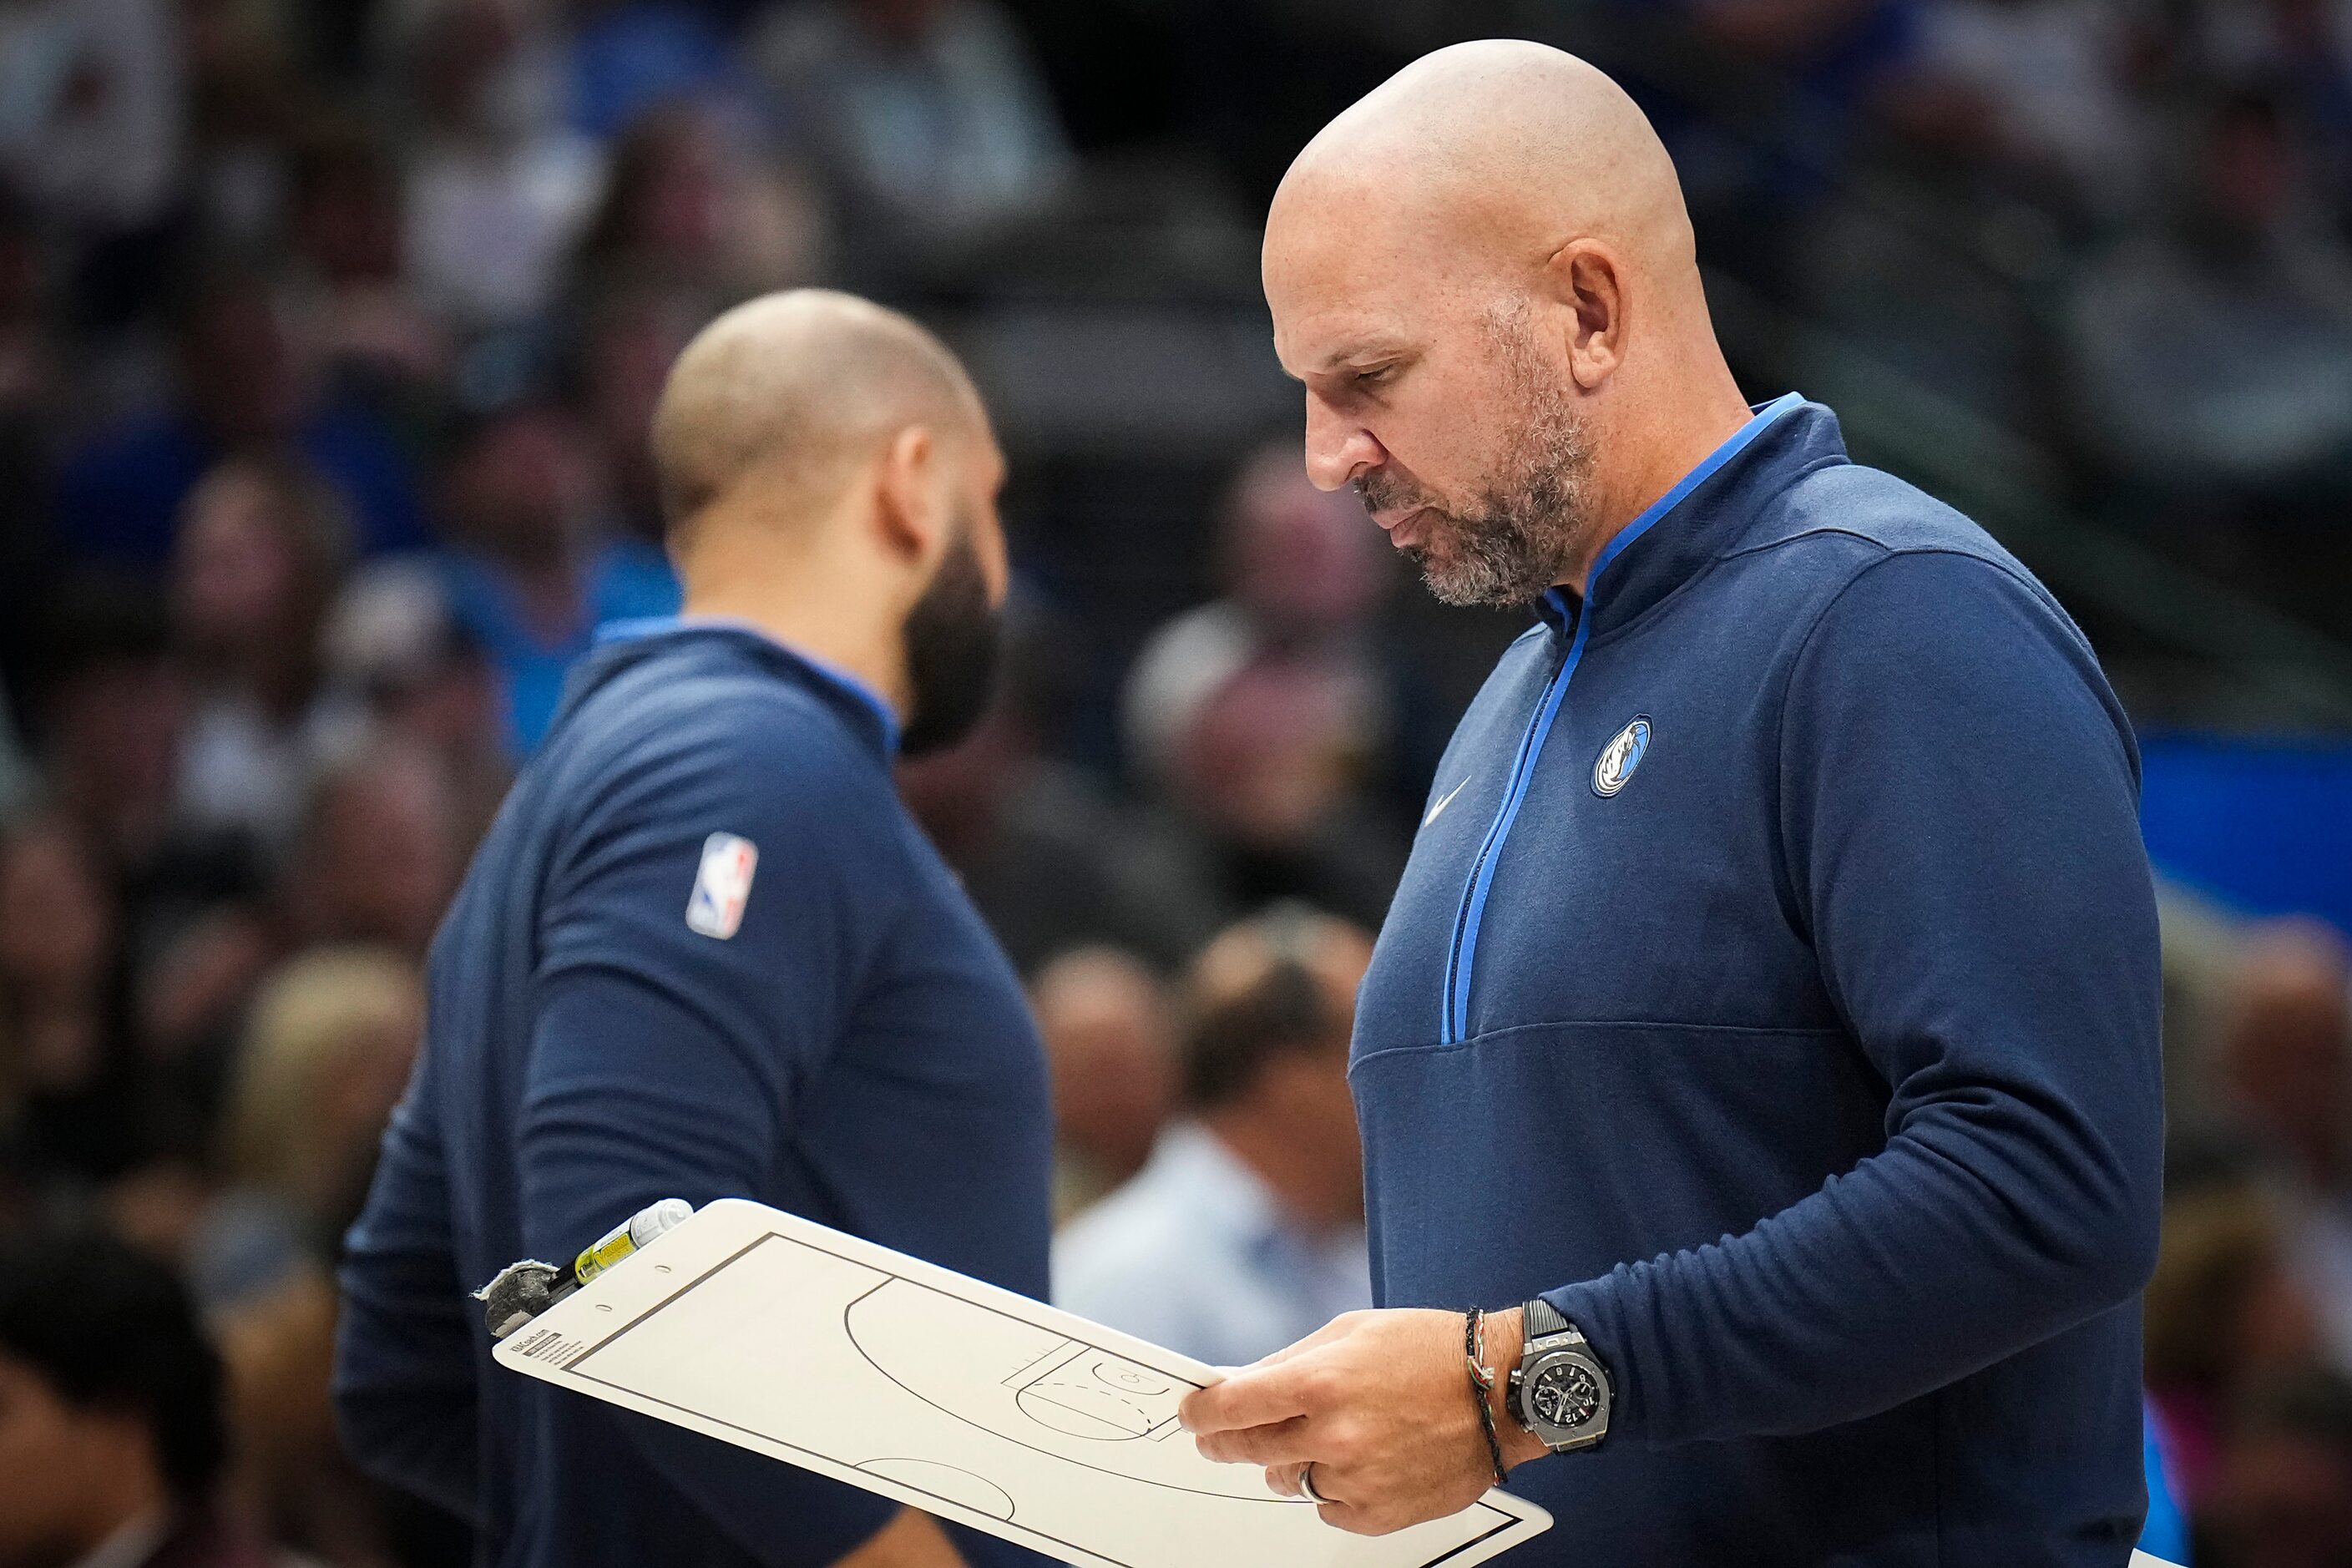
x=723 y=886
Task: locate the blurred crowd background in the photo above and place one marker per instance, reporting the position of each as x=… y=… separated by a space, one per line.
x=328 y=331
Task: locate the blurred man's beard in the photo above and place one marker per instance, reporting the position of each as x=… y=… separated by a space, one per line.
x=1532 y=522
x=953 y=639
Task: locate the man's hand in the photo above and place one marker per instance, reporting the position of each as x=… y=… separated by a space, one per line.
x=1380 y=1404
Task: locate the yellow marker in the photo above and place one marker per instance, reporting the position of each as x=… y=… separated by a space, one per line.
x=623 y=1239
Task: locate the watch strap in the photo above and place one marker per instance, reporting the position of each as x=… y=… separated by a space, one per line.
x=1540 y=1320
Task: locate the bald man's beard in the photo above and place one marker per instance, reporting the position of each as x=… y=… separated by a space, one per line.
x=1533 y=522
x=954 y=640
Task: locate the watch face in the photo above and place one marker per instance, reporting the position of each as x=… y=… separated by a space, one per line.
x=1565 y=1395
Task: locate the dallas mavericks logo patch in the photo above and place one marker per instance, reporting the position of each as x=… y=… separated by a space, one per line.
x=723 y=886
x=1619 y=757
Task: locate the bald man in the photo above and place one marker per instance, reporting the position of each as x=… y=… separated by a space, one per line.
x=705 y=953
x=1764 y=1034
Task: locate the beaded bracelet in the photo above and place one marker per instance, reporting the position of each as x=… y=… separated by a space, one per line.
x=1482 y=1383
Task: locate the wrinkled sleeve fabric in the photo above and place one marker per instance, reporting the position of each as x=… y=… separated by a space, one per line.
x=404 y=1381
x=666 y=1062
x=1959 y=830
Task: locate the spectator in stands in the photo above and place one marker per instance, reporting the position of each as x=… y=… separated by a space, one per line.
x=68 y=1087
x=377 y=860
x=530 y=577
x=498 y=186
x=630 y=339
x=2299 y=49
x=2287 y=1061
x=326 y=1050
x=689 y=205
x=2223 y=1316
x=2283 y=1497
x=396 y=650
x=291 y=1473
x=110 y=1422
x=1270 y=770
x=108 y=714
x=91 y=111
x=2211 y=352
x=1105 y=1020
x=2059 y=81
x=262 y=548
x=324 y=1054
x=373 y=862
x=245 y=389
x=1303 y=578
x=1245 y=1232
x=247 y=102
x=346 y=224
x=929 y=117
x=1300 y=572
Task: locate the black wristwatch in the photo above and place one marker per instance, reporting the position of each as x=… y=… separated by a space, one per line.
x=1560 y=1390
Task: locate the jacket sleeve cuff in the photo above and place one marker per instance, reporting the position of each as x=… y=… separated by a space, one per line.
x=1595 y=1308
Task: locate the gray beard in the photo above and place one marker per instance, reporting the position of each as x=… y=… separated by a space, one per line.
x=1530 y=523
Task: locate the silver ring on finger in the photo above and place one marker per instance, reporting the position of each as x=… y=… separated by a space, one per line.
x=1306 y=1486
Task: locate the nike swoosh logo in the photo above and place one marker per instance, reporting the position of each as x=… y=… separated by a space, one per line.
x=1444 y=800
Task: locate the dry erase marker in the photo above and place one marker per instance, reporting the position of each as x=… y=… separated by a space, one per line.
x=623 y=1239
x=523 y=1291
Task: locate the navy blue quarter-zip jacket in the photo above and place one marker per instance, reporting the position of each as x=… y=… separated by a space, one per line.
x=1773 y=988
x=616 y=1017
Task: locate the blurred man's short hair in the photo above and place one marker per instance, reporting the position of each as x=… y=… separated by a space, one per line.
x=1279 y=983
x=111 y=1329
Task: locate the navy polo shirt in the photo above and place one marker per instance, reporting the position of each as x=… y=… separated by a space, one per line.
x=608 y=1027
x=1773 y=986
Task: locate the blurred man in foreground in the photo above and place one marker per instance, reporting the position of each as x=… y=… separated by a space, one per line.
x=1245 y=1231
x=111 y=1437
x=1764 y=1033
x=704 y=953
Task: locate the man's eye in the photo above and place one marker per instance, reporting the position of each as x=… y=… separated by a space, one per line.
x=1375 y=377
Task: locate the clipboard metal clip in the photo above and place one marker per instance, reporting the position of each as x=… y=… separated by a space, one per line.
x=523 y=1291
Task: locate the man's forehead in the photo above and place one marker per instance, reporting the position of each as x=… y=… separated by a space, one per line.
x=1322 y=351
x=1331 y=304
x=1337 y=303
x=1321 y=333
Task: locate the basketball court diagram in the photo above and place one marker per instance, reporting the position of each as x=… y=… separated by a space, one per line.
x=1077 y=1402
x=826 y=1352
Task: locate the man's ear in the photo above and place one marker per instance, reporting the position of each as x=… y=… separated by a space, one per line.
x=1588 y=281
x=913 y=524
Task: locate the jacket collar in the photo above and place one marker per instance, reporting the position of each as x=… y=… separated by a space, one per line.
x=1704 y=514
x=861 y=708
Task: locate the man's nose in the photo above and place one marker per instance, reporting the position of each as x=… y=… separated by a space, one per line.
x=1337 y=450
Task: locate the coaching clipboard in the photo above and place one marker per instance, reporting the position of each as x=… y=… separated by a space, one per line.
x=776 y=1334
